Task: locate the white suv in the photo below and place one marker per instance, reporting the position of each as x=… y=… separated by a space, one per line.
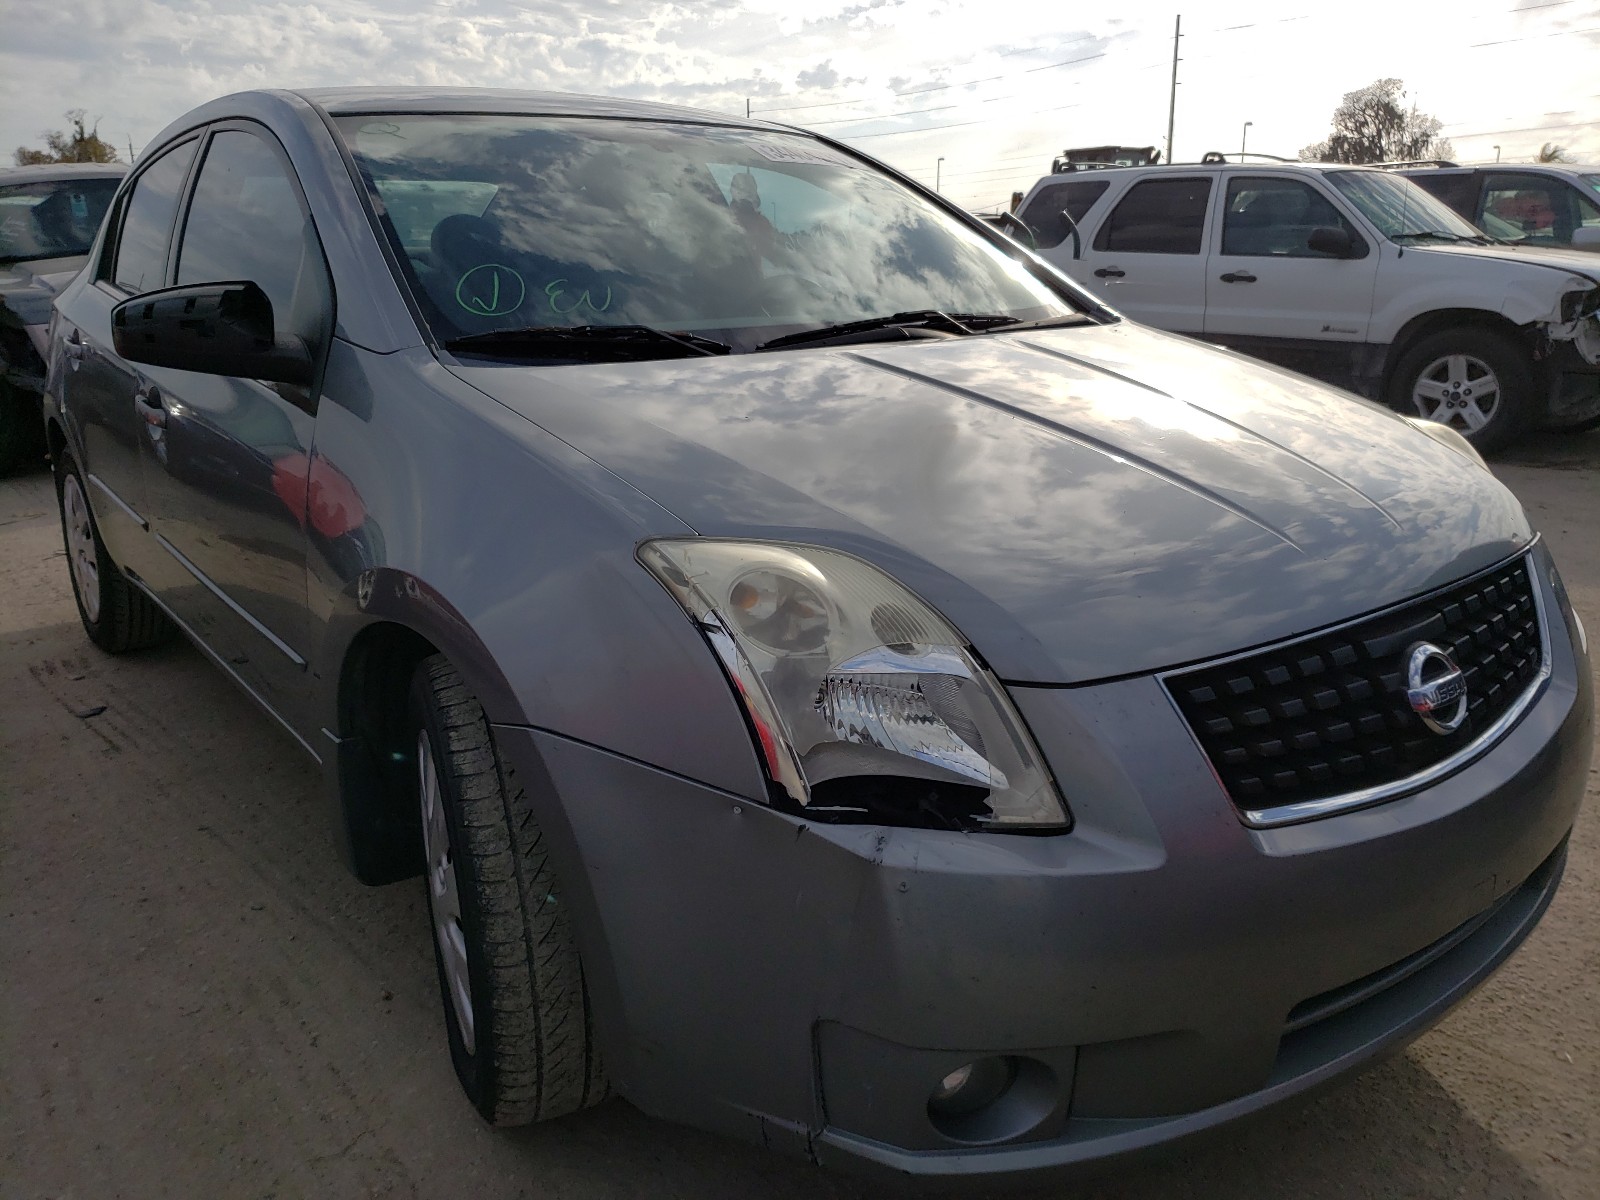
x=1356 y=276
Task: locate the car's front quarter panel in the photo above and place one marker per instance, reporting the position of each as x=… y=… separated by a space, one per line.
x=435 y=508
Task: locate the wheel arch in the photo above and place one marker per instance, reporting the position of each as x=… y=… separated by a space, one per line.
x=1440 y=319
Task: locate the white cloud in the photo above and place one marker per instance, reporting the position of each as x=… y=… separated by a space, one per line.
x=983 y=78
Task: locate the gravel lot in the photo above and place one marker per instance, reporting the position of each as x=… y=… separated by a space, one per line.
x=196 y=1000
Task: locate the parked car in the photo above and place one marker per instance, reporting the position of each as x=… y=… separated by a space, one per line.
x=1353 y=275
x=1529 y=204
x=48 y=217
x=842 y=686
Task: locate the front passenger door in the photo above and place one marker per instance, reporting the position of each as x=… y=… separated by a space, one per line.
x=227 y=484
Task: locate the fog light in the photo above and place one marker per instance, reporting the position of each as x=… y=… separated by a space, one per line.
x=972 y=1087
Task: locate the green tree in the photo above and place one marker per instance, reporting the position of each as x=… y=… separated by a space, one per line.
x=1373 y=124
x=79 y=144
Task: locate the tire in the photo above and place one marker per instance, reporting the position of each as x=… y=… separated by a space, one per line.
x=117 y=616
x=1437 y=378
x=511 y=983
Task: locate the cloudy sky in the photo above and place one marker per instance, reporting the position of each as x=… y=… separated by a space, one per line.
x=993 y=87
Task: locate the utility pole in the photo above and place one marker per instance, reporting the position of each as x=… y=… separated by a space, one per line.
x=938 y=172
x=130 y=147
x=747 y=108
x=1172 y=106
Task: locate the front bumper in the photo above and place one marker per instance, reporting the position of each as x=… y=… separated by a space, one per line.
x=1167 y=968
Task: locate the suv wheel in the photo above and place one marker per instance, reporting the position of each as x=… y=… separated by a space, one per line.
x=515 y=1006
x=1477 y=381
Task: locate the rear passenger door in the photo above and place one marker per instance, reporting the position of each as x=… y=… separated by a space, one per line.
x=1147 y=258
x=1265 y=282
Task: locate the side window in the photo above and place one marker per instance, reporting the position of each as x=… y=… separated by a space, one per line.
x=1268 y=217
x=1588 y=210
x=1043 y=212
x=1459 y=191
x=245 y=222
x=141 y=261
x=1158 y=216
x=1528 y=207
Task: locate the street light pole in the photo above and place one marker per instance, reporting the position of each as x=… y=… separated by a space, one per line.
x=1244 y=133
x=1497 y=154
x=938 y=172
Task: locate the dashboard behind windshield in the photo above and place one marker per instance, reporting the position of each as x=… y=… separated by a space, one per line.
x=505 y=222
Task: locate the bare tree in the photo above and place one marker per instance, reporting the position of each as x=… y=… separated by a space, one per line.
x=1552 y=153
x=79 y=144
x=1372 y=124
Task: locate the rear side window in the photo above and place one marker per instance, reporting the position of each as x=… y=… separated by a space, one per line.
x=1269 y=217
x=1042 y=214
x=1460 y=192
x=146 y=233
x=246 y=222
x=1158 y=216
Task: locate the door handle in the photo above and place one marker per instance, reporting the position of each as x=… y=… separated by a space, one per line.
x=76 y=350
x=1110 y=273
x=147 y=403
x=1238 y=277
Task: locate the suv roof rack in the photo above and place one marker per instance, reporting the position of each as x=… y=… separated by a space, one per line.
x=1417 y=162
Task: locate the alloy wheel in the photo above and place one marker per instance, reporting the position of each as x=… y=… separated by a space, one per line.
x=443 y=895
x=81 y=552
x=1458 y=390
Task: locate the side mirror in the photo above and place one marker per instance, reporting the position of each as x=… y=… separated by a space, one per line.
x=213 y=328
x=1586 y=237
x=1338 y=243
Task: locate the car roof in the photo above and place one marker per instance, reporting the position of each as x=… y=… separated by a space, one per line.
x=1552 y=168
x=50 y=171
x=347 y=101
x=1158 y=169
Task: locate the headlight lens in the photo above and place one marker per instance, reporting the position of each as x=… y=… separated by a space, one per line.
x=866 y=703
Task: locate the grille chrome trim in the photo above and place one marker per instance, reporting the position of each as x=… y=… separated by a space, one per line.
x=1326 y=806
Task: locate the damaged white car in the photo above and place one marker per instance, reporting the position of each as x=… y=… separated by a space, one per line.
x=1353 y=275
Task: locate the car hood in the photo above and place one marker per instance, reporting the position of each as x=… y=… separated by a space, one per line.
x=1571 y=262
x=1082 y=503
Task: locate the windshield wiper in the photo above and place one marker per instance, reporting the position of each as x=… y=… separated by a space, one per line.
x=602 y=342
x=922 y=318
x=1442 y=234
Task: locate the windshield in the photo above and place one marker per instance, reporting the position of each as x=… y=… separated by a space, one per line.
x=507 y=222
x=1397 y=206
x=55 y=218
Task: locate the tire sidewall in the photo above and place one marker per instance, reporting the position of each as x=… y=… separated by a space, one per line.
x=475 y=1070
x=1511 y=367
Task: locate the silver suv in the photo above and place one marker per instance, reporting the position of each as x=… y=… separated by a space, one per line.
x=1353 y=275
x=1531 y=204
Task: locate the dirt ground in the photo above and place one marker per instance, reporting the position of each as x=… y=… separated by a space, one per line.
x=197 y=1001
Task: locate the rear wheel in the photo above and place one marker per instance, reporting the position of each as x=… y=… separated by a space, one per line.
x=1477 y=381
x=116 y=615
x=515 y=1006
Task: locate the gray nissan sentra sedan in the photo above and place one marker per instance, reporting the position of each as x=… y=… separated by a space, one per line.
x=841 y=685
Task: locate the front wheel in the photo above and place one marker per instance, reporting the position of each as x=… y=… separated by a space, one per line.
x=515 y=1006
x=1477 y=381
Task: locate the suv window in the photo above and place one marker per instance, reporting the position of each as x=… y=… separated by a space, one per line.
x=53 y=218
x=1158 y=216
x=246 y=222
x=141 y=263
x=1270 y=216
x=1042 y=214
x=1535 y=208
x=1459 y=190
